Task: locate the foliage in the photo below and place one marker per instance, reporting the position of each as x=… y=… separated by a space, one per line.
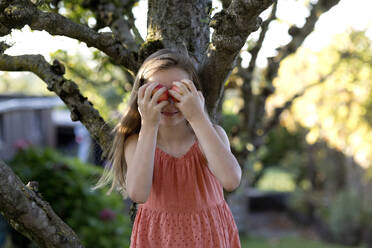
x=332 y=186
x=336 y=110
x=229 y=123
x=344 y=216
x=282 y=156
x=276 y=179
x=340 y=215
x=98 y=219
x=22 y=82
x=75 y=11
x=321 y=193
x=279 y=142
x=108 y=88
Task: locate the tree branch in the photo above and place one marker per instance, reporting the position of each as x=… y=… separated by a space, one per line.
x=256 y=49
x=18 y=13
x=134 y=28
x=3 y=46
x=249 y=99
x=254 y=105
x=274 y=120
x=4 y=30
x=232 y=27
x=30 y=215
x=298 y=36
x=225 y=3
x=81 y=109
x=111 y=14
x=80 y=74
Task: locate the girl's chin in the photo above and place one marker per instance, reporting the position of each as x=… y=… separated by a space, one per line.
x=172 y=120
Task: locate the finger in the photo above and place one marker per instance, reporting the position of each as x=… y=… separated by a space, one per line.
x=149 y=90
x=175 y=94
x=157 y=94
x=141 y=91
x=190 y=84
x=201 y=95
x=183 y=88
x=161 y=105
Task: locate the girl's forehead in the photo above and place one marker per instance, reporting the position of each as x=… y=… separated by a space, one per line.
x=167 y=76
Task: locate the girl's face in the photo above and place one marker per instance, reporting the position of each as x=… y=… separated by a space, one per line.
x=167 y=77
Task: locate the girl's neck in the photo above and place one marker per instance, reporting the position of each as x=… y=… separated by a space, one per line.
x=174 y=135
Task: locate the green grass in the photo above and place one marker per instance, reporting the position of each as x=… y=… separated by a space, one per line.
x=257 y=242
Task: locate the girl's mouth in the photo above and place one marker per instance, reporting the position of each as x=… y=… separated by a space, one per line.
x=170 y=113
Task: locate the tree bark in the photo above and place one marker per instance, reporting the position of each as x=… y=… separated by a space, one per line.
x=232 y=27
x=180 y=24
x=111 y=14
x=30 y=215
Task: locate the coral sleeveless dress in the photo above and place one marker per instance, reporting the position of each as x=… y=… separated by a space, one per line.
x=186 y=207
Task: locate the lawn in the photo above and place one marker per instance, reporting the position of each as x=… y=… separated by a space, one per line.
x=257 y=242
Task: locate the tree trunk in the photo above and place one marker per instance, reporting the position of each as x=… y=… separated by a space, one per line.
x=180 y=24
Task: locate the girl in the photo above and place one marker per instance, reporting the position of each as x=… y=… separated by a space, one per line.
x=169 y=157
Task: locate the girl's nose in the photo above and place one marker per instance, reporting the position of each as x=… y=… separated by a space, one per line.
x=170 y=100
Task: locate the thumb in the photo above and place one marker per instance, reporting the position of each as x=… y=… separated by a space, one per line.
x=201 y=95
x=161 y=105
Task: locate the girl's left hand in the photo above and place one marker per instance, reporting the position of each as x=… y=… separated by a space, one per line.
x=191 y=101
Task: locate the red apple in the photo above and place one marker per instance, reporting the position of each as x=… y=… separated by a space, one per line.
x=175 y=88
x=162 y=97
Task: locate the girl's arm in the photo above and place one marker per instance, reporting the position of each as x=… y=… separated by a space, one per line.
x=216 y=147
x=139 y=151
x=140 y=167
x=215 y=144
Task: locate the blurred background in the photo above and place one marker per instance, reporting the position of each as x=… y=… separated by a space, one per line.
x=308 y=176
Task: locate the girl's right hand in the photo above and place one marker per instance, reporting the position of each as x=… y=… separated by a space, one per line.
x=148 y=107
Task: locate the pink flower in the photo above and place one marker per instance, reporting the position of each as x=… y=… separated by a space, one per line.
x=106 y=214
x=21 y=144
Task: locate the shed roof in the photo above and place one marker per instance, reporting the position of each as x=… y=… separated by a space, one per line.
x=20 y=102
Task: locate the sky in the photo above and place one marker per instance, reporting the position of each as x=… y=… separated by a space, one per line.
x=347 y=14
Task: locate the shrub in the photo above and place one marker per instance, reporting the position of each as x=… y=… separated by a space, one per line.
x=98 y=219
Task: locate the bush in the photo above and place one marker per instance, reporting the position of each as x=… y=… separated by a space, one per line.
x=339 y=217
x=98 y=219
x=344 y=217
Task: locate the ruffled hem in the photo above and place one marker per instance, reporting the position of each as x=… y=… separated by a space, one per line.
x=207 y=228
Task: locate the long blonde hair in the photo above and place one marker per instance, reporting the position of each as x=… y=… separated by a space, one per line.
x=130 y=122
